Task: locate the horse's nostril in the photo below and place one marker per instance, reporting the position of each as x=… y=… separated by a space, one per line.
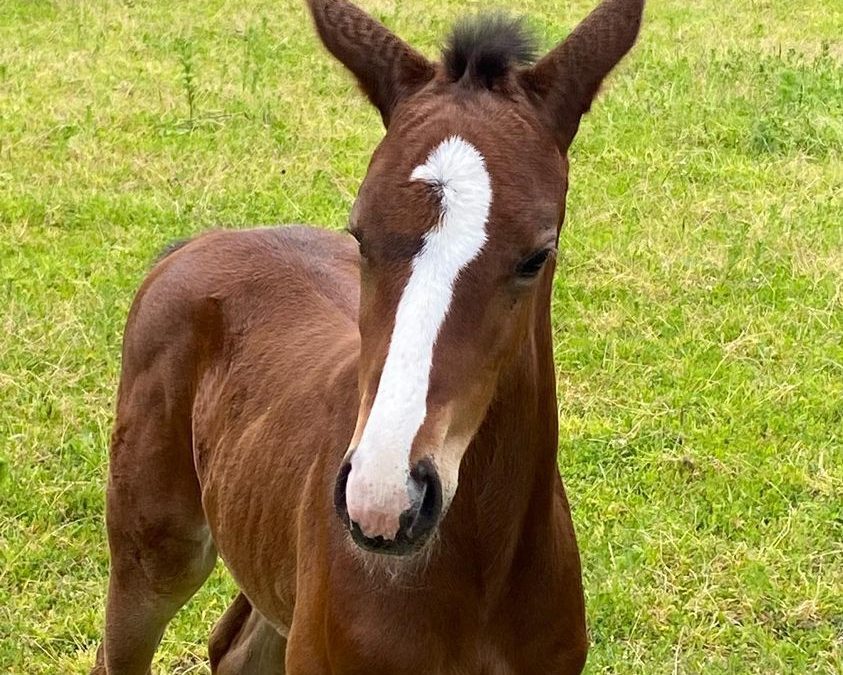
x=425 y=502
x=339 y=492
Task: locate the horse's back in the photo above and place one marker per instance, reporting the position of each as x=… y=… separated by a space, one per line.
x=275 y=265
x=207 y=292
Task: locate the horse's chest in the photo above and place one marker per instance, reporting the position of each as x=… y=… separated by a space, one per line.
x=401 y=637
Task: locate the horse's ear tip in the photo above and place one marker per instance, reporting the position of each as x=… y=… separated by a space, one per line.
x=565 y=82
x=386 y=68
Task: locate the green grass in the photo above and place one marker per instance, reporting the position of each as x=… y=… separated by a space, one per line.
x=698 y=306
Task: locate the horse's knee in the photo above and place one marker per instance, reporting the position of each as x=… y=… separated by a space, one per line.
x=161 y=552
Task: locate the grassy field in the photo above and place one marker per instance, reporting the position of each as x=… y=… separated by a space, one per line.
x=698 y=304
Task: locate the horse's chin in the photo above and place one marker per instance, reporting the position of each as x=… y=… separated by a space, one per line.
x=395 y=568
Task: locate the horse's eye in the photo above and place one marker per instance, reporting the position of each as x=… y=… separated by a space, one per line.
x=532 y=265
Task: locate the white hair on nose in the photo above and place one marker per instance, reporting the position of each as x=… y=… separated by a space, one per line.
x=377 y=484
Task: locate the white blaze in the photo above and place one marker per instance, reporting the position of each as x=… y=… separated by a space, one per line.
x=376 y=493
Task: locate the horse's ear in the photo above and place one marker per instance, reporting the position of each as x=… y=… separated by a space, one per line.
x=567 y=79
x=385 y=66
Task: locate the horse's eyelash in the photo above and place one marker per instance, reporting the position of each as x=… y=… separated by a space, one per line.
x=533 y=263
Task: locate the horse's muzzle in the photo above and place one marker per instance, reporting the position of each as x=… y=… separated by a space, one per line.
x=415 y=524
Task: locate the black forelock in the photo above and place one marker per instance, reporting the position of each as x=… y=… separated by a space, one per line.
x=482 y=49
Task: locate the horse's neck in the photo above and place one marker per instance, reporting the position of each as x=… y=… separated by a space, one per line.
x=510 y=477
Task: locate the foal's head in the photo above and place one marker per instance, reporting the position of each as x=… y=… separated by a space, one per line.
x=457 y=219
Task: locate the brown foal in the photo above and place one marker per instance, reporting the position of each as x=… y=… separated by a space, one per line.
x=365 y=431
